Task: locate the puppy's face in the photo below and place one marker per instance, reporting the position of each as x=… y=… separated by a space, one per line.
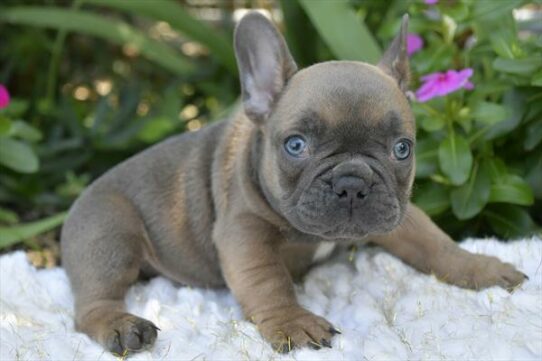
x=337 y=138
x=338 y=156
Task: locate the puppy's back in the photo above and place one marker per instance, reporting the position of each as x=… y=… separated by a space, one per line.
x=168 y=186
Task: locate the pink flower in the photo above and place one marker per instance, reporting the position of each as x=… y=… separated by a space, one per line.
x=431 y=2
x=440 y=84
x=4 y=97
x=414 y=43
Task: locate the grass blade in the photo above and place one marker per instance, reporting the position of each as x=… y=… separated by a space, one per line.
x=15 y=234
x=174 y=14
x=343 y=32
x=87 y=23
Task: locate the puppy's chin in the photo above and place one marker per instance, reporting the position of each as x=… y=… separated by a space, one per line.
x=319 y=212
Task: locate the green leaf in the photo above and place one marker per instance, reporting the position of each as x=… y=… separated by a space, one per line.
x=489 y=113
x=537 y=79
x=526 y=66
x=533 y=175
x=437 y=57
x=97 y=25
x=426 y=157
x=514 y=101
x=533 y=135
x=511 y=189
x=469 y=199
x=503 y=37
x=155 y=129
x=18 y=156
x=486 y=11
x=5 y=125
x=510 y=221
x=25 y=131
x=431 y=124
x=502 y=44
x=343 y=32
x=173 y=13
x=7 y=216
x=455 y=158
x=17 y=107
x=496 y=167
x=428 y=117
x=458 y=11
x=432 y=198
x=13 y=235
x=301 y=36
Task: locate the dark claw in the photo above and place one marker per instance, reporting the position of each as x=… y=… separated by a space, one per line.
x=116 y=347
x=334 y=331
x=314 y=345
x=325 y=343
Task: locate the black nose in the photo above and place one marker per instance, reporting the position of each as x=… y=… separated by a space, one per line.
x=351 y=189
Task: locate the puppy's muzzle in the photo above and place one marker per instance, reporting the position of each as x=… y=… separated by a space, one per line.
x=352 y=182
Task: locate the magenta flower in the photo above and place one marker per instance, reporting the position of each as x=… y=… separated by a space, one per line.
x=439 y=84
x=414 y=43
x=430 y=2
x=4 y=97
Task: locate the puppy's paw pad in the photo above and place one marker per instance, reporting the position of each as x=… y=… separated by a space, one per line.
x=130 y=333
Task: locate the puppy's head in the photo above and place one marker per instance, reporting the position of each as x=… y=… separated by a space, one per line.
x=336 y=153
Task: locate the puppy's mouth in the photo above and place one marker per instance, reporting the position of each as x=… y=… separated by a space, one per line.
x=320 y=211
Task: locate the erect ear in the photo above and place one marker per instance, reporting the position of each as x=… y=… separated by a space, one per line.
x=395 y=59
x=265 y=64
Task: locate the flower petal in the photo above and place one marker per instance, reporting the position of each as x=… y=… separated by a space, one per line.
x=431 y=77
x=4 y=97
x=426 y=92
x=414 y=43
x=441 y=84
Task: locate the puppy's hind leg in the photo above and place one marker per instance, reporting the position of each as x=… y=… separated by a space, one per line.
x=102 y=249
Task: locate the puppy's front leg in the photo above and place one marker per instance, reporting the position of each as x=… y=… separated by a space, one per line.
x=420 y=243
x=249 y=254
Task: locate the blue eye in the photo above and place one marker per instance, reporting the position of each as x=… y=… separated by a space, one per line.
x=295 y=145
x=401 y=149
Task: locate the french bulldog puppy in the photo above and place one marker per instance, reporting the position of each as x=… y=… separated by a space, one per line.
x=316 y=157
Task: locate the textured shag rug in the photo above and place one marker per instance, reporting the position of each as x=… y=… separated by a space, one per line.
x=385 y=310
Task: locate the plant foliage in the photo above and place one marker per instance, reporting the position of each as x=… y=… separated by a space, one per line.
x=95 y=81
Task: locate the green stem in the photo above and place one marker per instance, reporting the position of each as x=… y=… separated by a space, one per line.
x=430 y=110
x=449 y=123
x=479 y=133
x=54 y=64
x=52 y=74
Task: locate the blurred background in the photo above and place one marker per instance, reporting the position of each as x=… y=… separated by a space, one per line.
x=87 y=83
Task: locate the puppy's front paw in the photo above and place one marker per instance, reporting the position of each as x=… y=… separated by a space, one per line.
x=486 y=271
x=129 y=333
x=289 y=329
x=490 y=271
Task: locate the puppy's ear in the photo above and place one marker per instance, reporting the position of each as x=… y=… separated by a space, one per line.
x=395 y=59
x=265 y=64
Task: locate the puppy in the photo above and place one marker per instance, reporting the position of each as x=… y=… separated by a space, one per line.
x=317 y=156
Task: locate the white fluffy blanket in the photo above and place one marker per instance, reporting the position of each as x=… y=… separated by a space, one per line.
x=385 y=310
